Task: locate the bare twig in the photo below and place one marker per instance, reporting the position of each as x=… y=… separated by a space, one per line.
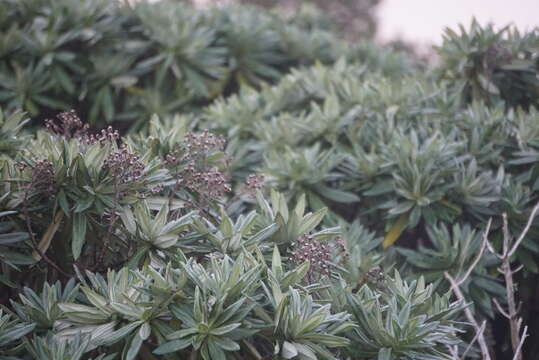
x=519 y=348
x=476 y=337
x=500 y=309
x=508 y=250
x=478 y=331
x=510 y=288
x=455 y=286
x=479 y=255
x=525 y=231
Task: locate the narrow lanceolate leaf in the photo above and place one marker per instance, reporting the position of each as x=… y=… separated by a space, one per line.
x=396 y=230
x=46 y=240
x=225 y=329
x=264 y=233
x=384 y=354
x=133 y=347
x=129 y=220
x=79 y=234
x=337 y=195
x=310 y=221
x=16 y=332
x=289 y=351
x=114 y=337
x=11 y=238
x=83 y=314
x=276 y=265
x=226 y=344
x=172 y=346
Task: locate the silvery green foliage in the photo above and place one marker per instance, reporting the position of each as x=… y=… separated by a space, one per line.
x=453 y=250
x=12 y=331
x=41 y=309
x=161 y=251
x=224 y=305
x=484 y=63
x=403 y=320
x=126 y=63
x=400 y=153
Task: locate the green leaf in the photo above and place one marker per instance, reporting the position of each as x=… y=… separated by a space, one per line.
x=225 y=329
x=404 y=314
x=62 y=200
x=172 y=346
x=289 y=351
x=384 y=354
x=14 y=237
x=215 y=351
x=84 y=204
x=336 y=195
x=112 y=338
x=310 y=221
x=128 y=220
x=15 y=333
x=276 y=265
x=133 y=347
x=79 y=234
x=226 y=343
x=264 y=233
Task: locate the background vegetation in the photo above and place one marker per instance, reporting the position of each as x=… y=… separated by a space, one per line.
x=249 y=185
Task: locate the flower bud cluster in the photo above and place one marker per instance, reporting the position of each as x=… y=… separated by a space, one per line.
x=375 y=275
x=124 y=166
x=106 y=135
x=318 y=254
x=199 y=145
x=69 y=125
x=42 y=176
x=172 y=159
x=339 y=246
x=156 y=189
x=376 y=278
x=210 y=184
x=254 y=182
x=194 y=172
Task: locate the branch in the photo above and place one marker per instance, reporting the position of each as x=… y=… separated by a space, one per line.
x=476 y=337
x=478 y=257
x=500 y=309
x=525 y=231
x=518 y=353
x=508 y=250
x=479 y=333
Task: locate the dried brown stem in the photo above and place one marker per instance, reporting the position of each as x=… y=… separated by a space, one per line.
x=524 y=232
x=508 y=250
x=479 y=255
x=518 y=352
x=476 y=337
x=34 y=240
x=478 y=331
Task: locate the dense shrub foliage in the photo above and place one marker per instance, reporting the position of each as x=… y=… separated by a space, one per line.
x=281 y=194
x=115 y=63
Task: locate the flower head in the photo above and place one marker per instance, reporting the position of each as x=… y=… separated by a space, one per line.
x=68 y=125
x=124 y=166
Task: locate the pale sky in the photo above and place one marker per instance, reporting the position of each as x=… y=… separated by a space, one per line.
x=423 y=21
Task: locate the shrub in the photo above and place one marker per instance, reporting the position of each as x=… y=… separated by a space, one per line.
x=117 y=63
x=331 y=211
